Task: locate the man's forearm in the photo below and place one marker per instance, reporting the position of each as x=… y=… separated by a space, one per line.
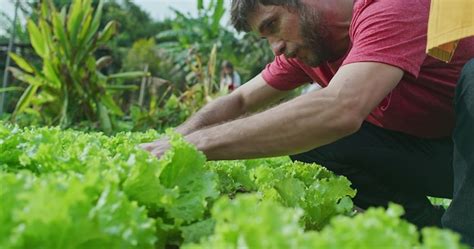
x=293 y=127
x=306 y=122
x=223 y=109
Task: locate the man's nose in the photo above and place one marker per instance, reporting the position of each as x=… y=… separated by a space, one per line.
x=278 y=47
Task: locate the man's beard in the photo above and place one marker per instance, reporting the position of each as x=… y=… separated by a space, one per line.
x=314 y=32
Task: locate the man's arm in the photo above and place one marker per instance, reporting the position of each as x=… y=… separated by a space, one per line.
x=251 y=96
x=306 y=122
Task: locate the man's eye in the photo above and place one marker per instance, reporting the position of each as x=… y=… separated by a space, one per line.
x=271 y=26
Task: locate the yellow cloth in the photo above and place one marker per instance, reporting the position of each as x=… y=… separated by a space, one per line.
x=450 y=21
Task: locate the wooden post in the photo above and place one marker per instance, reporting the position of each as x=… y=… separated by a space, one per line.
x=141 y=97
x=7 y=64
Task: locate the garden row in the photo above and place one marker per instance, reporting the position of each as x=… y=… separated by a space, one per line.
x=69 y=189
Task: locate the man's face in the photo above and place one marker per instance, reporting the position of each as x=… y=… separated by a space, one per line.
x=297 y=33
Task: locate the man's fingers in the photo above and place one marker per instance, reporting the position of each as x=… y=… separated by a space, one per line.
x=157 y=153
x=147 y=146
x=157 y=148
x=153 y=148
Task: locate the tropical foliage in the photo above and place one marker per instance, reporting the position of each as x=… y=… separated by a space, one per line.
x=69 y=87
x=198 y=36
x=185 y=54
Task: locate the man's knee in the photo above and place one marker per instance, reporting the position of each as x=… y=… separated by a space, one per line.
x=326 y=158
x=465 y=85
x=321 y=155
x=469 y=65
x=308 y=157
x=467 y=73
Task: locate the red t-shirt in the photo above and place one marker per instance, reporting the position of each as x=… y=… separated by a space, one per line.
x=391 y=32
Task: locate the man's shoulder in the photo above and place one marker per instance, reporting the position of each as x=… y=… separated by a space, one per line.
x=402 y=8
x=390 y=16
x=391 y=32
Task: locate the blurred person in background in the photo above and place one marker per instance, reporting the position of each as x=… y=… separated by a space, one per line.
x=230 y=79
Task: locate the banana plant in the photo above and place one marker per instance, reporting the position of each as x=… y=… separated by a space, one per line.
x=69 y=86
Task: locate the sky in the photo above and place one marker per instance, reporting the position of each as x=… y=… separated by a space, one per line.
x=158 y=9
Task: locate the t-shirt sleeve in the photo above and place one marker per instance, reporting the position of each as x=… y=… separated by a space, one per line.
x=284 y=74
x=390 y=32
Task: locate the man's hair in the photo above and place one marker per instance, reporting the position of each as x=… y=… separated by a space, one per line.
x=241 y=8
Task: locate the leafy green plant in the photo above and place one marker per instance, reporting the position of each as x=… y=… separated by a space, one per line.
x=69 y=87
x=321 y=194
x=172 y=113
x=70 y=211
x=77 y=190
x=391 y=233
x=248 y=222
x=107 y=176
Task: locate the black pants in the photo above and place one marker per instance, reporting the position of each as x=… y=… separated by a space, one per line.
x=460 y=214
x=387 y=166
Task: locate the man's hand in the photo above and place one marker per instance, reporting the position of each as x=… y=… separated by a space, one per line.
x=157 y=148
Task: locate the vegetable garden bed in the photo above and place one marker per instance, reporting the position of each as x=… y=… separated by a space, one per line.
x=70 y=189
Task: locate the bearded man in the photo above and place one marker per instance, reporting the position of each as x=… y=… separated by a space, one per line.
x=395 y=121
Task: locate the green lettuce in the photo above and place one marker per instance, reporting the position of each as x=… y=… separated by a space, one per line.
x=70 y=211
